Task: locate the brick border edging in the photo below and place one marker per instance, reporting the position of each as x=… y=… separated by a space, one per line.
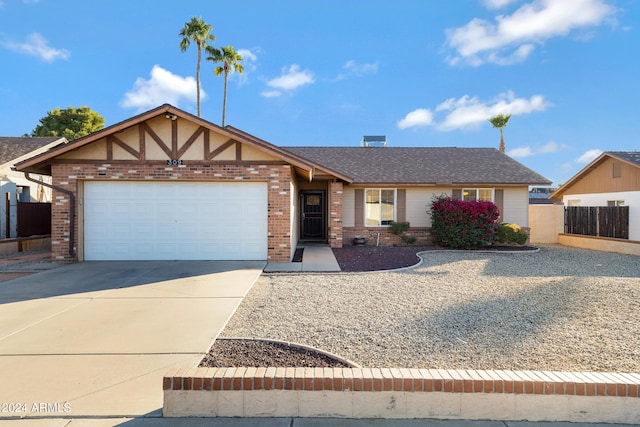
x=404 y=380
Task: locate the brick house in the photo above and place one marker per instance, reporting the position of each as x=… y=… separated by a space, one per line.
x=168 y=185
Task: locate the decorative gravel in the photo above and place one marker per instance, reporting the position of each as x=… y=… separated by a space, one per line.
x=559 y=309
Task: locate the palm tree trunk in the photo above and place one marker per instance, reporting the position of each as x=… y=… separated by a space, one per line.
x=198 y=79
x=502 y=147
x=224 y=99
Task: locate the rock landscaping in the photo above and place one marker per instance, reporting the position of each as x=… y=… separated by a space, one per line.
x=560 y=309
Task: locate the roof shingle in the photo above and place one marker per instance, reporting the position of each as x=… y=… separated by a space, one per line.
x=13 y=147
x=422 y=165
x=630 y=156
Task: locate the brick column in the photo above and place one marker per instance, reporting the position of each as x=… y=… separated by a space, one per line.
x=335 y=214
x=279 y=214
x=63 y=176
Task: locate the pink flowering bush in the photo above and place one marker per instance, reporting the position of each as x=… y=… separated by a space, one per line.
x=458 y=224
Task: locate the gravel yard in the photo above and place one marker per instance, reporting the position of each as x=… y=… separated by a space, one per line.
x=559 y=309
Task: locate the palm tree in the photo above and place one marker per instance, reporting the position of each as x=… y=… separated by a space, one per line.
x=500 y=121
x=199 y=32
x=230 y=61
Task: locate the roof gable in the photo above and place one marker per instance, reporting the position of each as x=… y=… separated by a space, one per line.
x=422 y=165
x=629 y=158
x=165 y=133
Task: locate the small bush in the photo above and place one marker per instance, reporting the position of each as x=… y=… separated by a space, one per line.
x=511 y=234
x=400 y=229
x=458 y=224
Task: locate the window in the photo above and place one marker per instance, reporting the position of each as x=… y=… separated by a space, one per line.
x=379 y=206
x=474 y=194
x=617 y=170
x=615 y=202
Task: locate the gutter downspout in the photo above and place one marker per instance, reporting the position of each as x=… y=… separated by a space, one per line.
x=72 y=211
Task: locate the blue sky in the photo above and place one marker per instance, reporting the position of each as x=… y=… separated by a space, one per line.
x=423 y=73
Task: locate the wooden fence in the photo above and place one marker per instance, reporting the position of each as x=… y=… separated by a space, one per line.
x=600 y=221
x=34 y=219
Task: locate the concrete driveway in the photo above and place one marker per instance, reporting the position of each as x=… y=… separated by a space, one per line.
x=95 y=338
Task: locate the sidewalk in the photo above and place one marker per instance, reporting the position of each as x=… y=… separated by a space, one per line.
x=315 y=258
x=283 y=422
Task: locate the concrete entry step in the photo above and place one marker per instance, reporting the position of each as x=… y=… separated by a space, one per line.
x=316 y=257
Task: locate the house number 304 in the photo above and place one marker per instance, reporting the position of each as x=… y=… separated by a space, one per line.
x=174 y=162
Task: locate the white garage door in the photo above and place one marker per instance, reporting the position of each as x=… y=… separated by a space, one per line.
x=175 y=221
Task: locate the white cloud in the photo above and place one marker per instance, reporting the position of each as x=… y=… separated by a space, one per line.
x=37 y=46
x=521 y=152
x=588 y=156
x=162 y=87
x=353 y=69
x=248 y=57
x=511 y=38
x=416 y=118
x=497 y=4
x=271 y=93
x=290 y=79
x=249 y=60
x=549 y=147
x=466 y=112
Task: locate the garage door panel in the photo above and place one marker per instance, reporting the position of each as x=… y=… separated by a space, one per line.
x=175 y=220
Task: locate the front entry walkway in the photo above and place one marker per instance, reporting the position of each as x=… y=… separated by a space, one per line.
x=96 y=338
x=316 y=257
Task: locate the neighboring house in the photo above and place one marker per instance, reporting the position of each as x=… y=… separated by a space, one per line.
x=168 y=185
x=613 y=179
x=540 y=196
x=14 y=150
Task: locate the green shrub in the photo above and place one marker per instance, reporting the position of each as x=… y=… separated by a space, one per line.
x=458 y=224
x=511 y=234
x=400 y=229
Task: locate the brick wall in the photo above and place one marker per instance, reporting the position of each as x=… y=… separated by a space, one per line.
x=423 y=234
x=335 y=214
x=402 y=393
x=278 y=178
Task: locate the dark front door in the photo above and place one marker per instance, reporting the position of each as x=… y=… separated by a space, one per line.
x=312 y=223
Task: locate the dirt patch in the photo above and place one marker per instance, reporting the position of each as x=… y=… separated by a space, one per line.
x=250 y=353
x=375 y=258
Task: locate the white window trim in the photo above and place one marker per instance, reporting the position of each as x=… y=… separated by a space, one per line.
x=395 y=205
x=477 y=190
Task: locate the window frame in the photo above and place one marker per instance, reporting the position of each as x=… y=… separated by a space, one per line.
x=477 y=190
x=395 y=206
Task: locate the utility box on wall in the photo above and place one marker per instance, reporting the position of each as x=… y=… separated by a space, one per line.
x=8 y=210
